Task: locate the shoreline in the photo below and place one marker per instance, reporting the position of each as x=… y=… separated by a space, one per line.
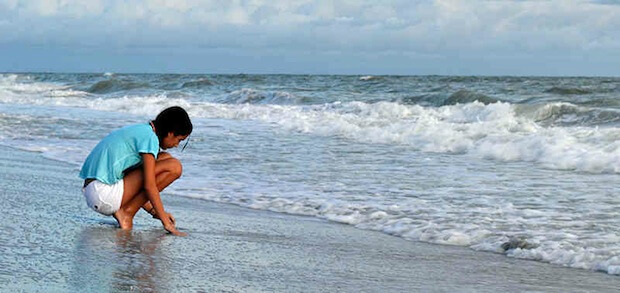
x=53 y=242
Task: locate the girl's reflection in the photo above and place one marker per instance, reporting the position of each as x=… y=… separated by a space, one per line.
x=117 y=260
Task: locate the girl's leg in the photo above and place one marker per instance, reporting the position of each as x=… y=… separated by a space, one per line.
x=167 y=170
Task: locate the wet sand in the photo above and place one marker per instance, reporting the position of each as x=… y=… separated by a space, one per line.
x=50 y=241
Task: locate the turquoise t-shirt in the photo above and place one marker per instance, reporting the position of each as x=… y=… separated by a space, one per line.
x=118 y=151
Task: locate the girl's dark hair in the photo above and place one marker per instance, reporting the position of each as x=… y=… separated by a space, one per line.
x=173 y=119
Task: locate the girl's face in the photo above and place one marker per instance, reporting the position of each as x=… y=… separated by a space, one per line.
x=171 y=140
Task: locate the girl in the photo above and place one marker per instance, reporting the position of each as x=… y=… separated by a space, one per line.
x=126 y=171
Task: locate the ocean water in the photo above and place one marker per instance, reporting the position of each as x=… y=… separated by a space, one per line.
x=524 y=166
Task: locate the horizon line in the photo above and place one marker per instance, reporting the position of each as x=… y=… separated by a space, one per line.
x=304 y=74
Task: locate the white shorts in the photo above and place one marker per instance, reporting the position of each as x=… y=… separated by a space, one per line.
x=104 y=198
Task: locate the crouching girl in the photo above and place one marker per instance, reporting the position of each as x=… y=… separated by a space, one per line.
x=126 y=171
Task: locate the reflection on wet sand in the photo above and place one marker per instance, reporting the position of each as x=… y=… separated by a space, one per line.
x=110 y=259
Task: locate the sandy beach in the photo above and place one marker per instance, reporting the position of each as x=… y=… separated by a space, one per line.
x=50 y=241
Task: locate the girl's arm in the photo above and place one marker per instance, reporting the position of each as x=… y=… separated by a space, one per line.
x=152 y=193
x=148 y=207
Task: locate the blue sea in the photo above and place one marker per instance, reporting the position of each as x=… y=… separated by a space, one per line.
x=524 y=166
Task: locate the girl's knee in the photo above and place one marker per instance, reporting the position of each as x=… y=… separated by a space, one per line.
x=176 y=167
x=163 y=156
x=168 y=163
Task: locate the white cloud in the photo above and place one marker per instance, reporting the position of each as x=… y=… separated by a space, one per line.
x=439 y=27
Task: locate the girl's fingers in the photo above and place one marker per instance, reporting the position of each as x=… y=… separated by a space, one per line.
x=172 y=219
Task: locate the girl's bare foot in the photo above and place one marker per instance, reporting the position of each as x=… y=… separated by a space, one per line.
x=124 y=219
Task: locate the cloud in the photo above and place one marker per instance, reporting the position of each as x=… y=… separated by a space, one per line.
x=607 y=2
x=424 y=28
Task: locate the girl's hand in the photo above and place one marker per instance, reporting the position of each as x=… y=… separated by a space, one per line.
x=168 y=216
x=175 y=232
x=169 y=226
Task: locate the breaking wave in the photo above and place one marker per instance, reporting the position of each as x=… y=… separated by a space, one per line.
x=203 y=82
x=568 y=91
x=115 y=85
x=465 y=96
x=491 y=131
x=252 y=96
x=567 y=114
x=553 y=135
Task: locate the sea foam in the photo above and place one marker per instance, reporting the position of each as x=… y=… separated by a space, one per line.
x=488 y=131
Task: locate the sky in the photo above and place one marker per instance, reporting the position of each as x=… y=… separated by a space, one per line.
x=399 y=37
